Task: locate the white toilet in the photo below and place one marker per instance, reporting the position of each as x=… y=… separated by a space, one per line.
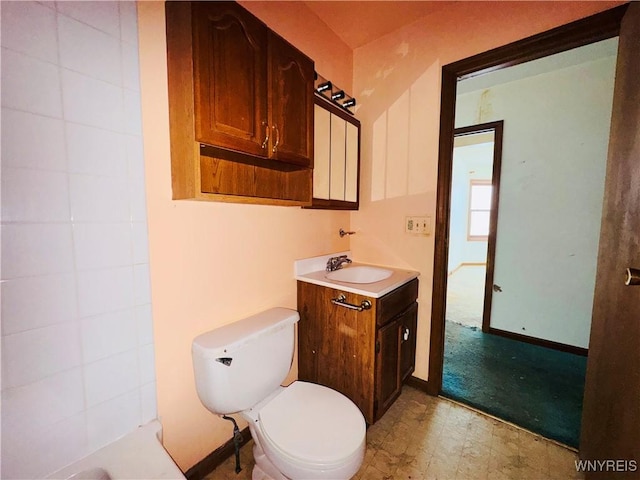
x=301 y=432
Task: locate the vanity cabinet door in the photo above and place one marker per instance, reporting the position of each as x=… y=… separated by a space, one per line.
x=336 y=344
x=408 y=324
x=395 y=358
x=354 y=352
x=291 y=75
x=388 y=383
x=230 y=77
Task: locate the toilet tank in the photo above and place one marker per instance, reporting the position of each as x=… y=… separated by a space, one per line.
x=239 y=364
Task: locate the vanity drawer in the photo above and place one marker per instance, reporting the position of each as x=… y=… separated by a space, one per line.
x=396 y=302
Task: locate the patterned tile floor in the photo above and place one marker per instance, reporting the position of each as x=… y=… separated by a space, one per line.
x=423 y=437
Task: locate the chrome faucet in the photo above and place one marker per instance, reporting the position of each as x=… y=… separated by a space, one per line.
x=335 y=263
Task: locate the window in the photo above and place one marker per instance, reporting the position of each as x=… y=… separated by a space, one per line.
x=479 y=210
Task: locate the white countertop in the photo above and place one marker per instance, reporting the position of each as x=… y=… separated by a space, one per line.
x=313 y=271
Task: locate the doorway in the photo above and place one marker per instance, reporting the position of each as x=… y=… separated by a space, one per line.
x=475 y=188
x=562 y=39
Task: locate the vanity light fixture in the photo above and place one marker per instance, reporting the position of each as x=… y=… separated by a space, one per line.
x=328 y=90
x=324 y=86
x=349 y=103
x=338 y=95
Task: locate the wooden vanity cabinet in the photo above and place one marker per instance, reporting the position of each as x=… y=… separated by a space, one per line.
x=364 y=355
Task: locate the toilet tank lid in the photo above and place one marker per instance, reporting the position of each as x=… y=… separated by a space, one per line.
x=230 y=337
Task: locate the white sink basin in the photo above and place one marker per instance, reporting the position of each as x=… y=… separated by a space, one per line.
x=359 y=274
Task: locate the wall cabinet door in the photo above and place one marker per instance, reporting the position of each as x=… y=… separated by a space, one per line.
x=352 y=159
x=336 y=158
x=321 y=152
x=240 y=108
x=253 y=90
x=230 y=77
x=291 y=76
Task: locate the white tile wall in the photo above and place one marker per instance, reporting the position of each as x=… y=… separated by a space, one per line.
x=105 y=290
x=77 y=333
x=30 y=29
x=55 y=303
x=98 y=55
x=29 y=84
x=95 y=151
x=48 y=153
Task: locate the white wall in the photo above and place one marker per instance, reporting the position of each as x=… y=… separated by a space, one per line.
x=77 y=340
x=556 y=130
x=470 y=162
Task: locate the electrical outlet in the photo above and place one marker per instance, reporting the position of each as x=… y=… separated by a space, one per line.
x=409 y=225
x=418 y=225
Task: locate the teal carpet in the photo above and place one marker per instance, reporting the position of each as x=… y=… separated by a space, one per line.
x=534 y=387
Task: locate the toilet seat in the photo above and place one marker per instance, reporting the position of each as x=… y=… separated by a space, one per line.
x=312 y=427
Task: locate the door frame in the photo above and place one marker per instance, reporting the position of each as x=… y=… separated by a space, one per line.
x=497 y=129
x=582 y=32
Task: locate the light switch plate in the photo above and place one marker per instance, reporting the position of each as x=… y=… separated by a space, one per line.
x=417 y=225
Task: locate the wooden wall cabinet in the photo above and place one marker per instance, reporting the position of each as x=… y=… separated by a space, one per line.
x=364 y=355
x=336 y=173
x=240 y=107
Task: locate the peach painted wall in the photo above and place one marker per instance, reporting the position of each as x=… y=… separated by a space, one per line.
x=214 y=263
x=298 y=24
x=397 y=84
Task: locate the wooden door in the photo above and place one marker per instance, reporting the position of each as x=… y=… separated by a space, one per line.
x=611 y=412
x=230 y=77
x=387 y=366
x=408 y=326
x=291 y=103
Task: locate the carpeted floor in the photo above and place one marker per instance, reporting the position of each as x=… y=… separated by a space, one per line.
x=537 y=388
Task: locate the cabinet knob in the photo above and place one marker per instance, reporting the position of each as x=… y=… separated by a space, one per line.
x=405 y=334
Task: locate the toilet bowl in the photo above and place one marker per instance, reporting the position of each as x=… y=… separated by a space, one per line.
x=301 y=432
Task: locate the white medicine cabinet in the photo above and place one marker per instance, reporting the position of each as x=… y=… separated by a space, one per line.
x=336 y=149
